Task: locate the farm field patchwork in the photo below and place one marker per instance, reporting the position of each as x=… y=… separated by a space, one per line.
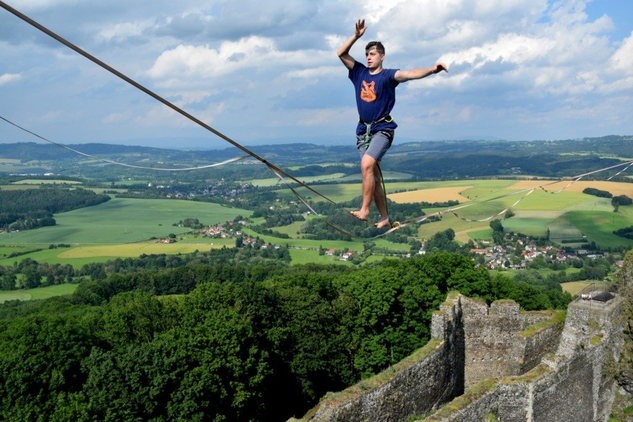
x=347 y=191
x=123 y=220
x=599 y=226
x=430 y=195
x=614 y=187
x=528 y=226
x=131 y=222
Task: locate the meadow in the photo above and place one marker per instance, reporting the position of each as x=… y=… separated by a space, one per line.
x=123 y=227
x=120 y=227
x=123 y=220
x=39 y=293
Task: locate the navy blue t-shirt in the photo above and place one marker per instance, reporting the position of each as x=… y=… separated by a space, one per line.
x=375 y=96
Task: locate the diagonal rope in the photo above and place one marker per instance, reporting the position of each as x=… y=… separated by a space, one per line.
x=276 y=170
x=156 y=96
x=400 y=224
x=66 y=147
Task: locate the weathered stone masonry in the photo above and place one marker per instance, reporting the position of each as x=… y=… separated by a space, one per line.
x=495 y=361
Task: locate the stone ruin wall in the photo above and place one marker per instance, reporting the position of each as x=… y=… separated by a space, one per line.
x=421 y=383
x=537 y=373
x=430 y=378
x=569 y=385
x=494 y=344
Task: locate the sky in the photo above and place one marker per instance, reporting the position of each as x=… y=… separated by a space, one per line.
x=266 y=72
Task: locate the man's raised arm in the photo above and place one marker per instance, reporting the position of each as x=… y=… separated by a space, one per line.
x=408 y=75
x=343 y=52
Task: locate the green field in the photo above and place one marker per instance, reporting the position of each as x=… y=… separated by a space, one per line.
x=599 y=226
x=39 y=293
x=307 y=180
x=123 y=221
x=131 y=222
x=345 y=192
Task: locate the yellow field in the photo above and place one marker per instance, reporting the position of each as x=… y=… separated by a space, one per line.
x=10 y=161
x=46 y=182
x=132 y=250
x=431 y=195
x=18 y=187
x=613 y=187
x=574 y=287
x=462 y=236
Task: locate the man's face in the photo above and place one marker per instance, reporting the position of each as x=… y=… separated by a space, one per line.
x=374 y=58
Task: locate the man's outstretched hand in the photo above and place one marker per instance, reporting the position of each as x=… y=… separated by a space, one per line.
x=440 y=67
x=360 y=28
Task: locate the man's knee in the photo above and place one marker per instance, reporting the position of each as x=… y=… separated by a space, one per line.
x=367 y=165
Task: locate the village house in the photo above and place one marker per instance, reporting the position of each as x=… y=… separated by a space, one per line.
x=347 y=255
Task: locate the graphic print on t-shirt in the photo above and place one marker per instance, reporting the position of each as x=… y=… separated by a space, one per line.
x=368 y=93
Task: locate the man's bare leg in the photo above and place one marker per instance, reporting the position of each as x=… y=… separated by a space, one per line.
x=380 y=200
x=367 y=166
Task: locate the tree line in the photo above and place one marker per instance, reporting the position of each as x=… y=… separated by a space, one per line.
x=29 y=274
x=235 y=343
x=31 y=208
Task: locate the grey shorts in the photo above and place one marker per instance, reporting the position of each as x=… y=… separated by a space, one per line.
x=378 y=144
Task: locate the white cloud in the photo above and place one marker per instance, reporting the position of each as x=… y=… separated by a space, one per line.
x=121 y=31
x=509 y=48
x=43 y=4
x=8 y=78
x=52 y=116
x=118 y=117
x=324 y=116
x=622 y=59
x=206 y=62
x=514 y=64
x=315 y=72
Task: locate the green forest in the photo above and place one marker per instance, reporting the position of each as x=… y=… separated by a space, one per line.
x=32 y=208
x=226 y=341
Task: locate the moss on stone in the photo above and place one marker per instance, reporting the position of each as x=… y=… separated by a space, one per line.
x=471 y=395
x=558 y=317
x=529 y=377
x=451 y=298
x=504 y=302
x=595 y=340
x=380 y=379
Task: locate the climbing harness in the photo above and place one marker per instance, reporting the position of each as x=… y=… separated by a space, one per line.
x=367 y=140
x=368 y=125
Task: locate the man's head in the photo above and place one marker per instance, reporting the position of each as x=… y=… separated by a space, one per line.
x=375 y=44
x=375 y=54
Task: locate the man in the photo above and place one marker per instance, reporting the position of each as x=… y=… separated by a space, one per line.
x=375 y=97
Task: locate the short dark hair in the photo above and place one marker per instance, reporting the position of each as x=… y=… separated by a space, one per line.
x=379 y=47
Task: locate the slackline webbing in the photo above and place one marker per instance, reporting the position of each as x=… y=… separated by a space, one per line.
x=157 y=97
x=66 y=147
x=276 y=170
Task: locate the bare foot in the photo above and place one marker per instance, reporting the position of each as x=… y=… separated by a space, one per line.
x=382 y=223
x=361 y=217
